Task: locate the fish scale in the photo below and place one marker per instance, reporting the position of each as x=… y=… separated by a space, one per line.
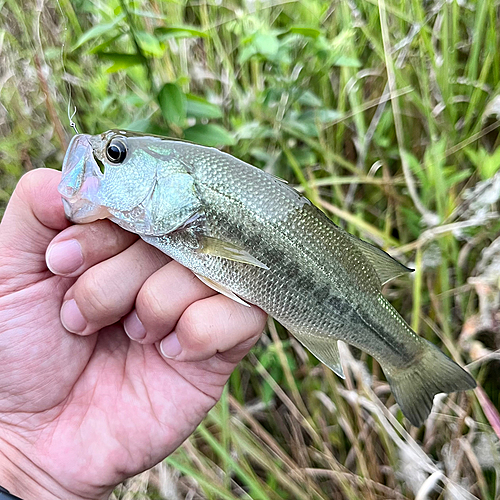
x=282 y=212
x=249 y=235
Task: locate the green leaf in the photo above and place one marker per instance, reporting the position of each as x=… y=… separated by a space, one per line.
x=308 y=98
x=172 y=103
x=322 y=115
x=304 y=157
x=97 y=31
x=101 y=47
x=261 y=155
x=266 y=45
x=457 y=177
x=150 y=44
x=300 y=129
x=120 y=61
x=246 y=53
x=197 y=107
x=147 y=126
x=350 y=62
x=255 y=130
x=139 y=125
x=180 y=31
x=304 y=31
x=209 y=135
x=415 y=165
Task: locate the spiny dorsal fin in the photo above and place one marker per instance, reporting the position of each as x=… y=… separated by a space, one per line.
x=325 y=349
x=225 y=250
x=386 y=267
x=221 y=289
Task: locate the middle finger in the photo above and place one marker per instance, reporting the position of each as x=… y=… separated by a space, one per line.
x=106 y=292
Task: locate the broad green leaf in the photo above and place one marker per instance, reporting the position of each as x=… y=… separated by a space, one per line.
x=266 y=45
x=120 y=61
x=305 y=157
x=197 y=107
x=308 y=98
x=350 y=62
x=304 y=31
x=209 y=135
x=172 y=103
x=97 y=31
x=255 y=130
x=246 y=53
x=150 y=44
x=147 y=126
x=139 y=125
x=261 y=155
x=181 y=31
x=300 y=129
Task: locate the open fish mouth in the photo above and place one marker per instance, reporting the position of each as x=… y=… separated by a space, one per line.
x=81 y=212
x=80 y=182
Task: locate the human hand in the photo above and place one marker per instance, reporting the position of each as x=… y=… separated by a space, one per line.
x=81 y=412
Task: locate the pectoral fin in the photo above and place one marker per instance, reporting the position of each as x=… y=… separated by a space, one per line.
x=221 y=289
x=386 y=267
x=325 y=349
x=225 y=250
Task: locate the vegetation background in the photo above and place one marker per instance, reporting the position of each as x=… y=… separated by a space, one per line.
x=386 y=114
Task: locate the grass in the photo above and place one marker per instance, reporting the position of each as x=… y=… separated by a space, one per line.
x=386 y=114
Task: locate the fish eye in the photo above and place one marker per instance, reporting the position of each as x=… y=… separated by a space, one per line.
x=116 y=151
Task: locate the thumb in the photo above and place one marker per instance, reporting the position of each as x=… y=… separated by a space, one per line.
x=33 y=217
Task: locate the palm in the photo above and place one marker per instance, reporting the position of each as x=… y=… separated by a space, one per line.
x=102 y=391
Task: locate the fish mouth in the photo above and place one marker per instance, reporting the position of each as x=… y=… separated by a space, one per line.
x=80 y=182
x=81 y=212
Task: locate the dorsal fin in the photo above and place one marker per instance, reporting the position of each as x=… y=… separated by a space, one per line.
x=386 y=267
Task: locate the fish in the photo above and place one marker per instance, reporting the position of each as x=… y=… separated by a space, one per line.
x=250 y=236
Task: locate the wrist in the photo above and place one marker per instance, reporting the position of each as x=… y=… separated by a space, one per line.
x=21 y=477
x=24 y=479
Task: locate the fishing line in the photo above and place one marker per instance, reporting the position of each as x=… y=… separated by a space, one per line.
x=72 y=124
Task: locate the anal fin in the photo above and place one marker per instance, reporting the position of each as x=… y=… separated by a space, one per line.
x=221 y=289
x=325 y=349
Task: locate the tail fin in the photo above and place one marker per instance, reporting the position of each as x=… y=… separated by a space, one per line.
x=415 y=387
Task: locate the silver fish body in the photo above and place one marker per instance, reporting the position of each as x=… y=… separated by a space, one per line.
x=251 y=236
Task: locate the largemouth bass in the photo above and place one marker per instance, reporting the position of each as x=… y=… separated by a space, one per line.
x=250 y=236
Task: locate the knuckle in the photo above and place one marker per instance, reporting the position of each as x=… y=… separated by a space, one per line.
x=258 y=319
x=94 y=297
x=26 y=183
x=114 y=236
x=101 y=234
x=150 y=306
x=197 y=335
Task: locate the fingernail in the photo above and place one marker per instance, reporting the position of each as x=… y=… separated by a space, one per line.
x=133 y=327
x=71 y=317
x=170 y=347
x=64 y=257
